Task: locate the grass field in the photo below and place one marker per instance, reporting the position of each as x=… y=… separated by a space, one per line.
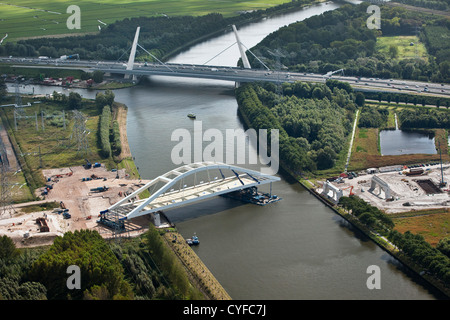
x=433 y=225
x=405 y=50
x=38 y=18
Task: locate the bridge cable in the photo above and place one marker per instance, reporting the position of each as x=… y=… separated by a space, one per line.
x=165 y=65
x=126 y=51
x=257 y=58
x=219 y=53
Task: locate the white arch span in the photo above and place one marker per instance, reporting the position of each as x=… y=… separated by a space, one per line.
x=169 y=196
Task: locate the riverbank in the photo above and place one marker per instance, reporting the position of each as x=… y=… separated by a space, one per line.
x=382 y=242
x=200 y=275
x=275 y=12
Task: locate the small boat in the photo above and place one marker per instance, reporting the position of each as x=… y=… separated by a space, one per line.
x=193 y=241
x=192 y=116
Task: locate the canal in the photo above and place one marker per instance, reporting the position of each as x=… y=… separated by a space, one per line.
x=293 y=249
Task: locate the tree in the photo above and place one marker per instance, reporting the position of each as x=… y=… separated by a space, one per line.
x=8 y=250
x=393 y=51
x=444 y=246
x=325 y=158
x=3 y=89
x=100 y=101
x=360 y=99
x=109 y=96
x=98 y=266
x=74 y=100
x=97 y=76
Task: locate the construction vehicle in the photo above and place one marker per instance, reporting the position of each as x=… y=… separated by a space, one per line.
x=88 y=165
x=100 y=189
x=351 y=190
x=43 y=227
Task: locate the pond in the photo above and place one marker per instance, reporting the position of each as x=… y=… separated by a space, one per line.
x=398 y=142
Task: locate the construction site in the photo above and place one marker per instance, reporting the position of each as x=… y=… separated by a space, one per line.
x=394 y=189
x=78 y=195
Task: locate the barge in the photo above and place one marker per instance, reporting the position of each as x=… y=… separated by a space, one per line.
x=252 y=195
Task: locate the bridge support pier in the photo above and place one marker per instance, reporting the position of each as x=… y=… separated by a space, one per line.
x=130 y=63
x=336 y=192
x=244 y=58
x=383 y=186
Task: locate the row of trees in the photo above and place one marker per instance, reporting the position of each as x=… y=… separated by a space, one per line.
x=433 y=260
x=109 y=130
x=104 y=125
x=371 y=216
x=171 y=268
x=430 y=4
x=408 y=99
x=420 y=118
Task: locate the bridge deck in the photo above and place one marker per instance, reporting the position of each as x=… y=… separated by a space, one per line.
x=169 y=197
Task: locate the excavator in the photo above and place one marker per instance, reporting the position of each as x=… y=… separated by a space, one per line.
x=351 y=190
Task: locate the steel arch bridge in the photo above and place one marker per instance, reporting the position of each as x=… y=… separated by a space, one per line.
x=183 y=186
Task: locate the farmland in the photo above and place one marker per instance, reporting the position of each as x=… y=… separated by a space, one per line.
x=25 y=18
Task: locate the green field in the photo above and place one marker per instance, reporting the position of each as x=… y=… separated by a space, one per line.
x=38 y=18
x=405 y=50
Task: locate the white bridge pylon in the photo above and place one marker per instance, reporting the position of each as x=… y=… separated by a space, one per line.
x=131 y=58
x=183 y=186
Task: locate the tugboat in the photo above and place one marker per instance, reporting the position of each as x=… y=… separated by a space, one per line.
x=193 y=241
x=192 y=116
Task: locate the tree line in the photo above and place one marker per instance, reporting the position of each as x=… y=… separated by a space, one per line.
x=419 y=118
x=314 y=121
x=338 y=39
x=141 y=268
x=159 y=35
x=406 y=98
x=433 y=260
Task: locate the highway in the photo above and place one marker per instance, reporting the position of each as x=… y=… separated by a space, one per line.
x=234 y=74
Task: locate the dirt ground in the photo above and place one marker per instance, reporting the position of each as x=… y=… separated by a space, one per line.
x=407 y=194
x=84 y=204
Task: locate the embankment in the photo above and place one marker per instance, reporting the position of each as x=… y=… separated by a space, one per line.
x=354 y=222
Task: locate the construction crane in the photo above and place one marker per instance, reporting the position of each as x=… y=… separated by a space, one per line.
x=351 y=190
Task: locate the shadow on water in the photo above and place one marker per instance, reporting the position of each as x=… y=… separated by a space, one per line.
x=396 y=265
x=352 y=230
x=203 y=208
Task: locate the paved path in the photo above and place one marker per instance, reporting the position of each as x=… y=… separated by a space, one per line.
x=351 y=141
